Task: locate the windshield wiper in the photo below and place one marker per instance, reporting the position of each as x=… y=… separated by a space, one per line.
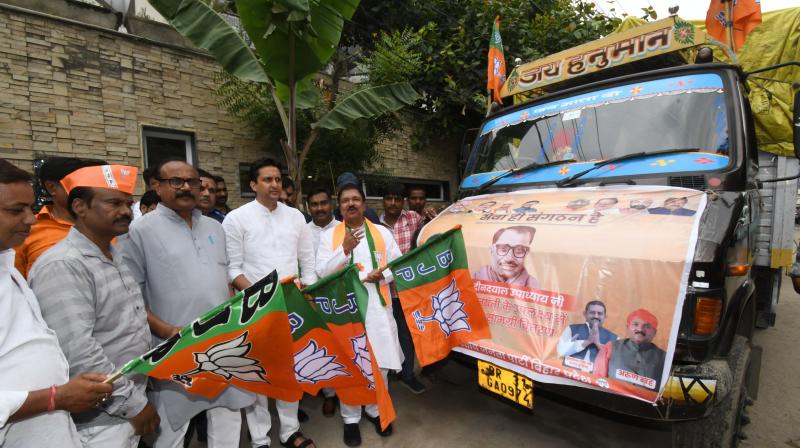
x=571 y=179
x=529 y=166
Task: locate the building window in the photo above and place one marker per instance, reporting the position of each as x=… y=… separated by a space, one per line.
x=161 y=144
x=244 y=181
x=435 y=191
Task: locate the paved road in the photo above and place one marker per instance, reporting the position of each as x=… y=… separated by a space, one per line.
x=455 y=413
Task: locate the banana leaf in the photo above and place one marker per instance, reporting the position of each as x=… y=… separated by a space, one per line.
x=207 y=30
x=316 y=32
x=368 y=103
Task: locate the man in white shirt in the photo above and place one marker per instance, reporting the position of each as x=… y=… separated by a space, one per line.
x=36 y=395
x=358 y=240
x=262 y=236
x=321 y=209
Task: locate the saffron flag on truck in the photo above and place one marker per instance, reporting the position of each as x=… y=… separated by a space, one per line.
x=244 y=342
x=496 y=70
x=438 y=298
x=726 y=19
x=341 y=301
x=583 y=286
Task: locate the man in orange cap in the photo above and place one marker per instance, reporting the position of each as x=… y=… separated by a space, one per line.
x=92 y=301
x=635 y=359
x=54 y=220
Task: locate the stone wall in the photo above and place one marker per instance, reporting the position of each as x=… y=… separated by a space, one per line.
x=74 y=89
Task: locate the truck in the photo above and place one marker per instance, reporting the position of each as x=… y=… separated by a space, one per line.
x=719 y=114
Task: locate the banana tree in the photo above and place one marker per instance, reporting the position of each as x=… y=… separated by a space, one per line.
x=292 y=40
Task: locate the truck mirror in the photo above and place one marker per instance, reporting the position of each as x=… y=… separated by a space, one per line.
x=796 y=123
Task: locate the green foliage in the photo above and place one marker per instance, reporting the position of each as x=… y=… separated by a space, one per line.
x=442 y=51
x=367 y=103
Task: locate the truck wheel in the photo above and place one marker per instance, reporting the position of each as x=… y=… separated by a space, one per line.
x=723 y=427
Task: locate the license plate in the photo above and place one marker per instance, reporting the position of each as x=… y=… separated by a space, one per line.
x=511 y=385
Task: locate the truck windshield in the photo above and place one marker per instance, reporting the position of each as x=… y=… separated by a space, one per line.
x=686 y=111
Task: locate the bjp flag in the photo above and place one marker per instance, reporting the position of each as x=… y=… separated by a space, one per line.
x=341 y=301
x=438 y=298
x=733 y=19
x=244 y=342
x=497 y=63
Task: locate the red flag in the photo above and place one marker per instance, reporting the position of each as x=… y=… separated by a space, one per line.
x=497 y=63
x=736 y=18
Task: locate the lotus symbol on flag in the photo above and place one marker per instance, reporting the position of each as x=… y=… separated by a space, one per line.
x=448 y=311
x=362 y=358
x=313 y=364
x=227 y=359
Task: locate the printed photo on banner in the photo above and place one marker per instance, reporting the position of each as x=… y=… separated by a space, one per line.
x=580 y=286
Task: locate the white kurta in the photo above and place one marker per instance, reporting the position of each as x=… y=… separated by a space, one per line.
x=381 y=327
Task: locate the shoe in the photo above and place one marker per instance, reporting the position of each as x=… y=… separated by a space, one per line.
x=376 y=421
x=302 y=417
x=352 y=435
x=414 y=385
x=329 y=406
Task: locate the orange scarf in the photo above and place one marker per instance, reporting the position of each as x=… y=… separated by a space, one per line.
x=378 y=252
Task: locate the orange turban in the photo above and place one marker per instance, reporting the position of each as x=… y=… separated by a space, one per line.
x=644 y=315
x=116 y=177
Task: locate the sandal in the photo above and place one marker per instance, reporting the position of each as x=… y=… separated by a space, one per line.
x=290 y=442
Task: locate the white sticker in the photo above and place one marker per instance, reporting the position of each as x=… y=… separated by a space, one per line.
x=700 y=284
x=571 y=115
x=700 y=274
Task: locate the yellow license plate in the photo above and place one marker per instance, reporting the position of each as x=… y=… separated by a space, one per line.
x=511 y=385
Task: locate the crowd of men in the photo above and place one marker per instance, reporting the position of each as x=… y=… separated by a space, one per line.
x=94 y=280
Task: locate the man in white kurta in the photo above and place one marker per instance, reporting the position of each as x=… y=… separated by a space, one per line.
x=262 y=236
x=361 y=245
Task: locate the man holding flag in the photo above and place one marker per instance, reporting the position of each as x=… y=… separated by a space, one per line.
x=178 y=257
x=90 y=299
x=357 y=240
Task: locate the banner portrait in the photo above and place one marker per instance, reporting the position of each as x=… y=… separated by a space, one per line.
x=580 y=286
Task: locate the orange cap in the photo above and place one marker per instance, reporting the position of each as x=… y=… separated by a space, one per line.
x=644 y=315
x=116 y=177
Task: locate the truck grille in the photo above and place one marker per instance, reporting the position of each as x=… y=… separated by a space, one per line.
x=693 y=182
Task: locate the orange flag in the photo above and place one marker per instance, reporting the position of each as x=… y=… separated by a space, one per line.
x=341 y=302
x=732 y=18
x=497 y=63
x=439 y=301
x=227 y=346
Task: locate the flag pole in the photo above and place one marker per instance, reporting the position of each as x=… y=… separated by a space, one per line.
x=114 y=376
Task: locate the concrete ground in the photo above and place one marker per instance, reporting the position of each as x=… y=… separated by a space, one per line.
x=454 y=412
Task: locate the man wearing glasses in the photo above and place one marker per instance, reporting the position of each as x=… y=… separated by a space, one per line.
x=179 y=259
x=510 y=246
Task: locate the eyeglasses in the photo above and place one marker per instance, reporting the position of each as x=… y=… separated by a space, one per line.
x=518 y=251
x=177 y=182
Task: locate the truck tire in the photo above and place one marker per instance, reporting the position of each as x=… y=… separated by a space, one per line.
x=723 y=427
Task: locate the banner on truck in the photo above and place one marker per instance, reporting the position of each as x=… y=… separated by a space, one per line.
x=581 y=286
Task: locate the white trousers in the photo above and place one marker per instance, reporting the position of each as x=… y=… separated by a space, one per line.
x=224 y=426
x=120 y=435
x=259 y=421
x=352 y=414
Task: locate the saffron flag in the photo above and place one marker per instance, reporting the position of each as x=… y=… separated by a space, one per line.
x=733 y=18
x=497 y=63
x=244 y=342
x=438 y=298
x=321 y=359
x=341 y=301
